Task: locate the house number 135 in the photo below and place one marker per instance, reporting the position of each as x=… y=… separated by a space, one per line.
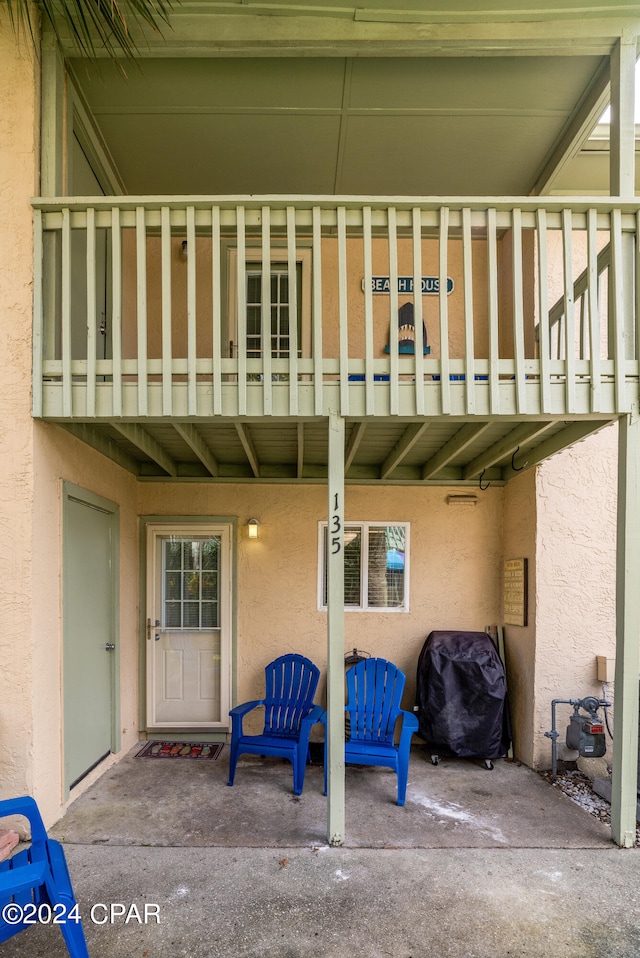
x=336 y=526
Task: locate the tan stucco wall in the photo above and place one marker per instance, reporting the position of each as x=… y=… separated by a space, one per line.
x=576 y=495
x=562 y=518
x=455 y=565
x=18 y=181
x=34 y=460
x=330 y=299
x=59 y=457
x=519 y=542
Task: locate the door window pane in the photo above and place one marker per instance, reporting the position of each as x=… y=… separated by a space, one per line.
x=191 y=583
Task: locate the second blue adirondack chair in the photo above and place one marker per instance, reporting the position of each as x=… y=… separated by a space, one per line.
x=374 y=693
x=35 y=883
x=291 y=684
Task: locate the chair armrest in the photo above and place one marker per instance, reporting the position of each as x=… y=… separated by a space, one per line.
x=317 y=714
x=241 y=710
x=22 y=878
x=238 y=713
x=409 y=725
x=26 y=806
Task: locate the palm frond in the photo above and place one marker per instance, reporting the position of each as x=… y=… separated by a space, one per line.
x=92 y=25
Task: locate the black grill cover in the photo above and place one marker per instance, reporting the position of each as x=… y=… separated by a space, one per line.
x=461 y=694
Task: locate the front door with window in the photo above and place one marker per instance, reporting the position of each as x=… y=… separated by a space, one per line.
x=188 y=626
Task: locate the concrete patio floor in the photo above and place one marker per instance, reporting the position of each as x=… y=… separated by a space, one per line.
x=458 y=804
x=478 y=864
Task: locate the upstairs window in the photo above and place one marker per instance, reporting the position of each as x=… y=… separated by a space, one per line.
x=376 y=567
x=281 y=303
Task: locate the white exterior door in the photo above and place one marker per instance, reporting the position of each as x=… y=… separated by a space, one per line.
x=188 y=626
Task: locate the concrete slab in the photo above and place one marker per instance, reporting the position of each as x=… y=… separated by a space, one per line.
x=336 y=903
x=167 y=861
x=165 y=802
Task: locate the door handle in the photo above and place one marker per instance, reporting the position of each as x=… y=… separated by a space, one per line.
x=110 y=646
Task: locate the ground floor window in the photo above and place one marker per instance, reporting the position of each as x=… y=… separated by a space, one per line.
x=376 y=567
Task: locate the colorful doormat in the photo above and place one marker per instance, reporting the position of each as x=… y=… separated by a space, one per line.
x=200 y=750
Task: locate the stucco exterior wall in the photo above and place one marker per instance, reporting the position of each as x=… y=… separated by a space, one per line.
x=59 y=457
x=330 y=297
x=455 y=560
x=519 y=542
x=34 y=460
x=562 y=518
x=576 y=495
x=18 y=181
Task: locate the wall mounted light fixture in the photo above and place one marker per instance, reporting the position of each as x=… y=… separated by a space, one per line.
x=184 y=250
x=462 y=499
x=252 y=529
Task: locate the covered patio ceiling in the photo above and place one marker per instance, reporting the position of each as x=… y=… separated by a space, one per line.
x=441 y=451
x=398 y=97
x=419 y=126
x=333 y=125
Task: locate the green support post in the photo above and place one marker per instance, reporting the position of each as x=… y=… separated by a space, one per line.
x=625 y=731
x=335 y=634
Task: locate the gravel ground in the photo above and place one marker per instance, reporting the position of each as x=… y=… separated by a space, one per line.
x=577 y=787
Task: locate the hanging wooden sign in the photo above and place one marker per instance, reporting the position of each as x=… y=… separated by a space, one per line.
x=515 y=592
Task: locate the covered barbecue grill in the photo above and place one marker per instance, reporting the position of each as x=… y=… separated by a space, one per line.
x=461 y=697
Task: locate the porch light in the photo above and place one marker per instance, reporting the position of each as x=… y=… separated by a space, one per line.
x=462 y=499
x=252 y=529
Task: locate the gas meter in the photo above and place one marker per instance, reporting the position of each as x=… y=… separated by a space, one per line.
x=585 y=732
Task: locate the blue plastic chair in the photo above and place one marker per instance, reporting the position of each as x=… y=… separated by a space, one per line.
x=374 y=693
x=38 y=878
x=291 y=683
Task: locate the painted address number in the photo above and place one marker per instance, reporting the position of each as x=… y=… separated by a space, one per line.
x=336 y=544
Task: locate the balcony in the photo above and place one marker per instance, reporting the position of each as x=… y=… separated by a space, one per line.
x=151 y=314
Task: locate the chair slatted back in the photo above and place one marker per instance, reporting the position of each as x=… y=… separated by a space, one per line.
x=374 y=693
x=291 y=684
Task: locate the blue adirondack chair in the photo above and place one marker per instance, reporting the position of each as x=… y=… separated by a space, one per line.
x=374 y=692
x=38 y=878
x=291 y=682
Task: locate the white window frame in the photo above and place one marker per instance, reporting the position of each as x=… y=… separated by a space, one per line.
x=364 y=526
x=278 y=254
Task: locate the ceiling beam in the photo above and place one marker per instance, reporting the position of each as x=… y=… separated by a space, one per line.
x=401 y=449
x=456 y=445
x=574 y=432
x=506 y=446
x=580 y=126
x=143 y=441
x=247 y=443
x=408 y=29
x=196 y=443
x=103 y=444
x=357 y=434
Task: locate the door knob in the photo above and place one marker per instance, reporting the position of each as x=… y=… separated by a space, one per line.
x=110 y=646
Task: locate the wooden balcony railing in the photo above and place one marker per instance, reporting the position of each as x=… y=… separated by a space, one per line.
x=162 y=306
